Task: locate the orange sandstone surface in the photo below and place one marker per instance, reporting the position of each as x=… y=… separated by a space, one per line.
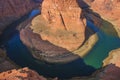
x=21 y=74
x=60 y=23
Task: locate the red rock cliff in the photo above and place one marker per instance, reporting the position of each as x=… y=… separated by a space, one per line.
x=62 y=20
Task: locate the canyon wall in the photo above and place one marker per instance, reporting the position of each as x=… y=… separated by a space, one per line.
x=11 y=10
x=109 y=10
x=62 y=21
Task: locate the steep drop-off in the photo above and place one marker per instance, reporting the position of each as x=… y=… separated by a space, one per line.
x=64 y=27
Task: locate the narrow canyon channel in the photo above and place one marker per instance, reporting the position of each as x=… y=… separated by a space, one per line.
x=20 y=54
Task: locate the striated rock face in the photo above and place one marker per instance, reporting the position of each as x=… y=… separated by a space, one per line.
x=109 y=10
x=21 y=74
x=43 y=49
x=62 y=14
x=11 y=10
x=62 y=24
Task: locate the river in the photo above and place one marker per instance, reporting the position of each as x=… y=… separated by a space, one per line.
x=20 y=54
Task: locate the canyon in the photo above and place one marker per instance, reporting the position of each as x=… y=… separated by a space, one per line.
x=61 y=34
x=62 y=28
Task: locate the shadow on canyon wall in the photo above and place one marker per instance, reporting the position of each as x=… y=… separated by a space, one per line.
x=75 y=65
x=96 y=19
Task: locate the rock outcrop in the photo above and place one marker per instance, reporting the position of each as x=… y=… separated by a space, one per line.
x=11 y=10
x=62 y=23
x=112 y=71
x=21 y=74
x=113 y=58
x=109 y=10
x=45 y=50
x=64 y=26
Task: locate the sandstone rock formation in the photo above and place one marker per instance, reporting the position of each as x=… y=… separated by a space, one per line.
x=11 y=10
x=62 y=23
x=113 y=58
x=112 y=69
x=109 y=10
x=45 y=50
x=21 y=74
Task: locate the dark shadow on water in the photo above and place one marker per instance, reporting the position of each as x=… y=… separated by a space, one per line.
x=76 y=66
x=20 y=54
x=109 y=72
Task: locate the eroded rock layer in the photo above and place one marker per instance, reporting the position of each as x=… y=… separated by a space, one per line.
x=61 y=23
